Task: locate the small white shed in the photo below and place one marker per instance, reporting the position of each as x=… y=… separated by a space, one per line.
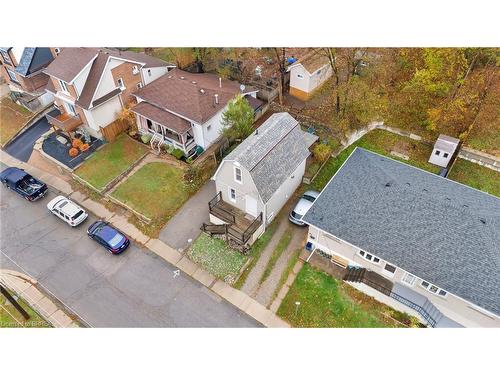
x=444 y=148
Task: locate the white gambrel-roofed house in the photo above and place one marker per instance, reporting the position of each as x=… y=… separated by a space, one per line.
x=258 y=177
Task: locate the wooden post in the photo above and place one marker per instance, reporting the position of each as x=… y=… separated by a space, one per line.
x=11 y=299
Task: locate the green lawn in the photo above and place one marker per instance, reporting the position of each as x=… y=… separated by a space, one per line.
x=11 y=318
x=12 y=119
x=328 y=302
x=477 y=176
x=217 y=257
x=110 y=161
x=381 y=142
x=156 y=190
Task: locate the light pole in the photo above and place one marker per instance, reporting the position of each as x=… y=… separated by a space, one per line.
x=297 y=304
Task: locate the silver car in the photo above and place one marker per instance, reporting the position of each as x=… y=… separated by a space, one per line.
x=302 y=206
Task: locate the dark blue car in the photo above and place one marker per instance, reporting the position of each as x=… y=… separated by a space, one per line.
x=23 y=183
x=108 y=236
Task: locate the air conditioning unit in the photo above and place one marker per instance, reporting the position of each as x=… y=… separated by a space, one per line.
x=135 y=70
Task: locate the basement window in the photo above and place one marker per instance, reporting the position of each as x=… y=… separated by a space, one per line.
x=369 y=257
x=433 y=289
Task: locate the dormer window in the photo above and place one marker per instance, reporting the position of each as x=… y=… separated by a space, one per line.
x=135 y=70
x=6 y=57
x=237 y=175
x=63 y=86
x=121 y=84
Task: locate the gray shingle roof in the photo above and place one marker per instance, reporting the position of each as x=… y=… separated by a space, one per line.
x=272 y=153
x=439 y=230
x=33 y=59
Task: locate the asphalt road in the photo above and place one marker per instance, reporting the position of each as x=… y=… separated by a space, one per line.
x=22 y=147
x=133 y=289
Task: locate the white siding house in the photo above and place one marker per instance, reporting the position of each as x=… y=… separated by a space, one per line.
x=308 y=74
x=259 y=176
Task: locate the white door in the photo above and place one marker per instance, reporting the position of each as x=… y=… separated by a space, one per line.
x=251 y=205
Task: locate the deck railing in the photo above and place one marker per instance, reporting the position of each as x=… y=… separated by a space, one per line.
x=68 y=124
x=220 y=212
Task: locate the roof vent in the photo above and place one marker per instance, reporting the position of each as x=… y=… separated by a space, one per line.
x=388 y=184
x=448 y=199
x=425 y=190
x=466 y=206
x=256 y=131
x=482 y=220
x=193 y=82
x=182 y=77
x=202 y=91
x=408 y=184
x=216 y=98
x=169 y=76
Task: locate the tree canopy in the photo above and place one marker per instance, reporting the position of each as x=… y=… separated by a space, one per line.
x=238 y=118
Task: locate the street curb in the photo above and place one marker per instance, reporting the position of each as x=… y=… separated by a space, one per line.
x=234 y=296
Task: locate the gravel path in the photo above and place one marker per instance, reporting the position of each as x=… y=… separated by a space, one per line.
x=252 y=282
x=265 y=293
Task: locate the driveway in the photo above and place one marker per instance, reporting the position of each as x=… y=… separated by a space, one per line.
x=22 y=146
x=186 y=223
x=134 y=289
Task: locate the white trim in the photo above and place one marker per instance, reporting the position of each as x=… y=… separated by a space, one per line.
x=98 y=83
x=230 y=194
x=406 y=282
x=80 y=72
x=240 y=181
x=388 y=273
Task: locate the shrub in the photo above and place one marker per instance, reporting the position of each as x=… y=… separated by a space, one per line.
x=84 y=147
x=322 y=152
x=76 y=143
x=145 y=138
x=73 y=152
x=193 y=178
x=177 y=153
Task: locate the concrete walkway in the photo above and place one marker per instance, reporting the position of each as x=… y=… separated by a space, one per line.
x=186 y=223
x=252 y=282
x=266 y=290
x=237 y=298
x=26 y=288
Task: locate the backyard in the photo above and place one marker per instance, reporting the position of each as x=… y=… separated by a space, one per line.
x=12 y=119
x=11 y=318
x=381 y=142
x=477 y=176
x=327 y=302
x=110 y=161
x=156 y=190
x=214 y=255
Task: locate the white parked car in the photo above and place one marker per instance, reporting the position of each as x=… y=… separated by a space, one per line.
x=67 y=210
x=302 y=206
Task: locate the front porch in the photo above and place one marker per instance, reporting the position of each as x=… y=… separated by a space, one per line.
x=231 y=221
x=165 y=128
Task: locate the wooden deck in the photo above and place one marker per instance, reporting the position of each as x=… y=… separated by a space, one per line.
x=242 y=219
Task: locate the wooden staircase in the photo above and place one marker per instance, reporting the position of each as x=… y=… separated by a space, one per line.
x=354 y=274
x=156 y=142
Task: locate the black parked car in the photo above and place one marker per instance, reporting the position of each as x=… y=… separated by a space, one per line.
x=108 y=236
x=23 y=183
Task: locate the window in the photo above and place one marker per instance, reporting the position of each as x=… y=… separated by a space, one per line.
x=135 y=69
x=121 y=84
x=71 y=109
x=445 y=155
x=57 y=51
x=409 y=279
x=232 y=194
x=149 y=123
x=389 y=269
x=433 y=289
x=149 y=72
x=6 y=57
x=209 y=127
x=139 y=85
x=300 y=76
x=237 y=174
x=319 y=71
x=12 y=75
x=63 y=85
x=437 y=152
x=369 y=257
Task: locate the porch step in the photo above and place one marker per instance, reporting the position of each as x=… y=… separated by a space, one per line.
x=354 y=274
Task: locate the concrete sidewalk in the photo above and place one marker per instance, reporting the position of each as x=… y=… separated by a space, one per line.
x=26 y=288
x=233 y=296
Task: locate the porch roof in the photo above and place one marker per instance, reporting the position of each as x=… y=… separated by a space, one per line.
x=167 y=119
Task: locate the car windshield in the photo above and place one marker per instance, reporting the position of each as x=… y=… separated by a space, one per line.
x=115 y=240
x=296 y=215
x=308 y=198
x=77 y=215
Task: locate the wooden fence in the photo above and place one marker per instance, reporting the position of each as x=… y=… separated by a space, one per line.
x=111 y=131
